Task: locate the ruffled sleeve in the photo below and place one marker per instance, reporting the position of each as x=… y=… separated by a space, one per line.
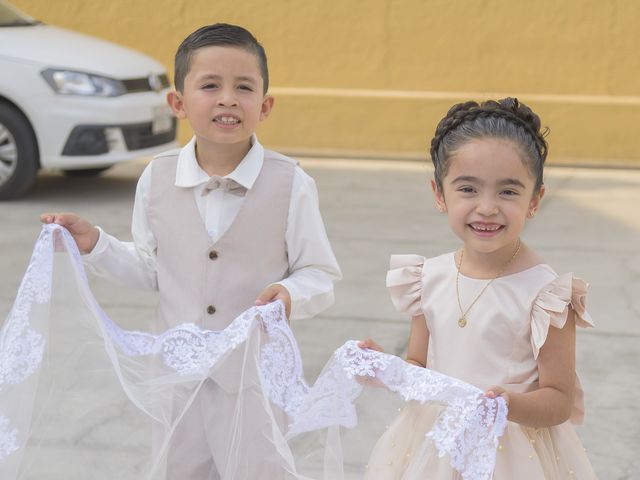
x=551 y=307
x=404 y=281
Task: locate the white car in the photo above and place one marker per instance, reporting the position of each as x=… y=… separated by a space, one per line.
x=73 y=102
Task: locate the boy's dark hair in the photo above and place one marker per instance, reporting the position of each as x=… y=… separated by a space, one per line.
x=506 y=118
x=218 y=34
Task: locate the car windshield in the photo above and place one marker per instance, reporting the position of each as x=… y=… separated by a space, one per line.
x=10 y=17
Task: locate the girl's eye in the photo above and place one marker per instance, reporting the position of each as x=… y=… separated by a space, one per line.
x=509 y=193
x=466 y=189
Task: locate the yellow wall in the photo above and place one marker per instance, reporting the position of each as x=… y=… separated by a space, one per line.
x=375 y=76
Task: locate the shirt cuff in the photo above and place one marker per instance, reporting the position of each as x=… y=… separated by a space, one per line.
x=99 y=248
x=293 y=294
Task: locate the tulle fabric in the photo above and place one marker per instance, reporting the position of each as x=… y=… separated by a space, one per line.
x=80 y=397
x=405 y=453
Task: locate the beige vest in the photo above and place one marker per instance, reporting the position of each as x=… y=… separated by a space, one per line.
x=210 y=283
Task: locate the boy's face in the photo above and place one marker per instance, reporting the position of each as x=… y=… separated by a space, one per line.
x=222 y=97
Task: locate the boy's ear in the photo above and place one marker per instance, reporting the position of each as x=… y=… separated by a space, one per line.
x=440 y=203
x=174 y=100
x=267 y=105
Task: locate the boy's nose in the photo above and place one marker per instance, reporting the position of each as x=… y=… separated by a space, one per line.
x=227 y=99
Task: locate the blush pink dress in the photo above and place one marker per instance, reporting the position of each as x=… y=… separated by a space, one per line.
x=499 y=346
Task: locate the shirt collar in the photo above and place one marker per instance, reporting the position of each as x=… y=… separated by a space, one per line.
x=189 y=174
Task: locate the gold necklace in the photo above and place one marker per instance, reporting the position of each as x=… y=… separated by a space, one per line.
x=462 y=321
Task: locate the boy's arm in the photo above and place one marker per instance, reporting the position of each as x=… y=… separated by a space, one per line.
x=131 y=264
x=313 y=268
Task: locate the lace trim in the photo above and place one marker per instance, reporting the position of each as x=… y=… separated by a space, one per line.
x=281 y=365
x=467 y=430
x=8 y=438
x=21 y=347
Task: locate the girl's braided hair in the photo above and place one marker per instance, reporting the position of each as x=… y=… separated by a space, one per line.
x=506 y=118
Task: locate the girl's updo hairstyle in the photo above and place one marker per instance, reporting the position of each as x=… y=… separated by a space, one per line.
x=506 y=119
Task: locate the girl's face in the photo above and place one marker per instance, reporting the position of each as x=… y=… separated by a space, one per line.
x=488 y=193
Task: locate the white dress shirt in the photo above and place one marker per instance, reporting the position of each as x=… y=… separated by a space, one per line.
x=312 y=265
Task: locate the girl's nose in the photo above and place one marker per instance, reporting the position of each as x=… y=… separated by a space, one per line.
x=487 y=207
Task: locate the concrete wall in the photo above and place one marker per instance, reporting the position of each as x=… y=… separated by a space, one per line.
x=375 y=76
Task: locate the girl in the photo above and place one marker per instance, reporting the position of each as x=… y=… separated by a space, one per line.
x=492 y=313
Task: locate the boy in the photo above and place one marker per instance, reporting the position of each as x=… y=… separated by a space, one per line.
x=222 y=224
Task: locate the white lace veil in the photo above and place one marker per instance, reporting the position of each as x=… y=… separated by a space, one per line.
x=82 y=398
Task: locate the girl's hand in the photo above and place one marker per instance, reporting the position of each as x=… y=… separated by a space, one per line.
x=369 y=343
x=84 y=233
x=496 y=391
x=365 y=380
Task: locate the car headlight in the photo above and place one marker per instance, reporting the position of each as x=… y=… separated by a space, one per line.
x=67 y=82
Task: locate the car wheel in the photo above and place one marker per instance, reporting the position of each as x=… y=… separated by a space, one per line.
x=86 y=172
x=19 y=158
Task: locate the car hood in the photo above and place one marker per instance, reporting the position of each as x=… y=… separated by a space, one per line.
x=56 y=47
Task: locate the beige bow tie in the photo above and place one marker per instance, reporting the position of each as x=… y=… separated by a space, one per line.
x=226 y=184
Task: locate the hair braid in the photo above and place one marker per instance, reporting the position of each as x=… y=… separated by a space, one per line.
x=477 y=117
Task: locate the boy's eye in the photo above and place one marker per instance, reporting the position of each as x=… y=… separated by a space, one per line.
x=245 y=87
x=509 y=192
x=210 y=85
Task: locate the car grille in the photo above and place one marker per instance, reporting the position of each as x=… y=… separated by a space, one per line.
x=140 y=136
x=86 y=140
x=145 y=84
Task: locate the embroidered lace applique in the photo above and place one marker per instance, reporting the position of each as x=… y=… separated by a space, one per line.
x=8 y=438
x=281 y=364
x=22 y=347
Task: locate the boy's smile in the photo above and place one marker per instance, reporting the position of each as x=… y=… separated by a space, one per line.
x=226 y=121
x=222 y=99
x=488 y=193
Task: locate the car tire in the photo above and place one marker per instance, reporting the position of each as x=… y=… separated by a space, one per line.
x=19 y=157
x=86 y=172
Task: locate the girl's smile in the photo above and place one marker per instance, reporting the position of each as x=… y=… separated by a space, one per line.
x=485 y=229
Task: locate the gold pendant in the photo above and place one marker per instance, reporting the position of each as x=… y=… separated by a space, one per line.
x=462 y=321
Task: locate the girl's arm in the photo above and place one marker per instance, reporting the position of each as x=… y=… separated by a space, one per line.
x=551 y=403
x=418 y=341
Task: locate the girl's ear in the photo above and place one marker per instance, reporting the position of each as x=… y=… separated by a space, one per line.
x=174 y=100
x=534 y=204
x=440 y=203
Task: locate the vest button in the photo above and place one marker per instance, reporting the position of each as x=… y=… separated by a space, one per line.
x=213 y=255
x=211 y=309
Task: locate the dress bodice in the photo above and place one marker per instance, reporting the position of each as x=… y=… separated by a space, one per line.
x=505 y=328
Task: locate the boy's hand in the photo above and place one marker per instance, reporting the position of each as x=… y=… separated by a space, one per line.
x=84 y=233
x=273 y=293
